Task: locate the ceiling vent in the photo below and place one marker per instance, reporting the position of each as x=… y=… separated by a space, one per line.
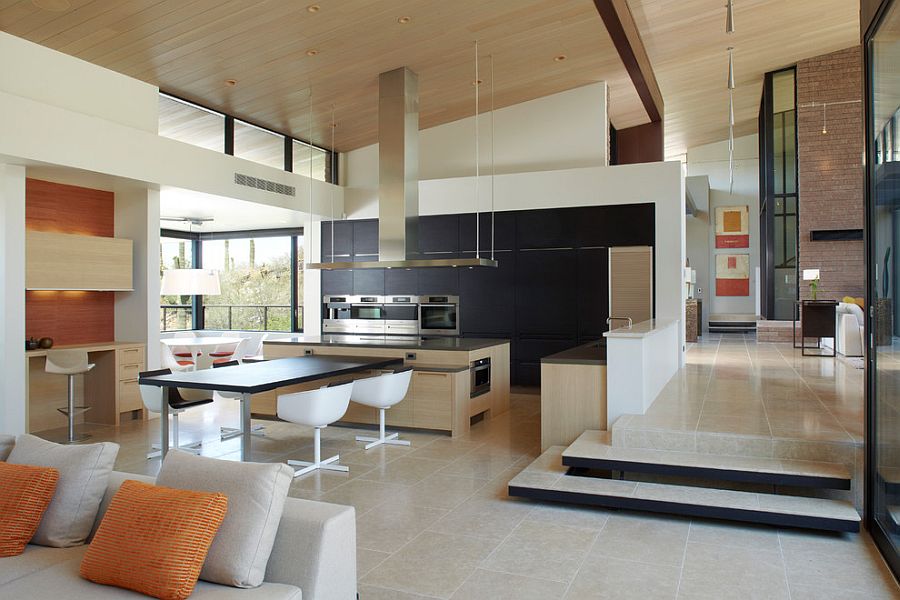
x=264 y=184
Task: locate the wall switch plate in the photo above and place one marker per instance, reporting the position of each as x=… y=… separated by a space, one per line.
x=410 y=356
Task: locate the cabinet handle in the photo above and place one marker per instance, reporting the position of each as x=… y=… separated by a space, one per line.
x=431 y=373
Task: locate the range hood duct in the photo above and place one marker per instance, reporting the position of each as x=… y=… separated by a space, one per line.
x=398 y=181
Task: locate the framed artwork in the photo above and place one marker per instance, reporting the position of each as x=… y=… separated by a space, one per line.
x=732 y=274
x=732 y=227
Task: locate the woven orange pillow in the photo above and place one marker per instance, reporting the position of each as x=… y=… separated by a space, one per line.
x=27 y=492
x=154 y=539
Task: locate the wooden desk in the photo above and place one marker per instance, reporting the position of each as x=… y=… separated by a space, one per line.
x=110 y=388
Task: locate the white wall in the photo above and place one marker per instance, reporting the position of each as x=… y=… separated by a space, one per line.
x=561 y=131
x=13 y=416
x=697 y=239
x=712 y=160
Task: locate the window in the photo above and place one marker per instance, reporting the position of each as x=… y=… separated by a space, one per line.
x=305 y=155
x=176 y=312
x=191 y=124
x=258 y=145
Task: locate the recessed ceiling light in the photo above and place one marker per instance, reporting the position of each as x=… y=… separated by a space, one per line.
x=477 y=82
x=313 y=8
x=231 y=82
x=312 y=52
x=560 y=58
x=404 y=20
x=53 y=5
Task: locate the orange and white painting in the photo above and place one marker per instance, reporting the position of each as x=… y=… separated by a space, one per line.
x=732 y=227
x=732 y=275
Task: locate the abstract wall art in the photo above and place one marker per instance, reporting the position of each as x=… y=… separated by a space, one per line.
x=732 y=274
x=732 y=227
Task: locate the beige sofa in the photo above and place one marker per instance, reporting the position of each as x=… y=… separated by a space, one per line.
x=314 y=558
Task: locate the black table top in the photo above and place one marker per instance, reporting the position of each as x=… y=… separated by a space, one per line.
x=253 y=378
x=402 y=342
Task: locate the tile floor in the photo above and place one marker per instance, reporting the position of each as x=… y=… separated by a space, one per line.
x=434 y=519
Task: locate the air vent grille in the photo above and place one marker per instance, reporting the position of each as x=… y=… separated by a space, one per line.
x=264 y=184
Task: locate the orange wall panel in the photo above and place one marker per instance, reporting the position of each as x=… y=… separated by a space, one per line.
x=69 y=317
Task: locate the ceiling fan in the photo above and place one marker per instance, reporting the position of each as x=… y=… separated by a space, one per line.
x=192 y=220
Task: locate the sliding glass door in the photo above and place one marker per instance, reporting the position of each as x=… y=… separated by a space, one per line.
x=883 y=229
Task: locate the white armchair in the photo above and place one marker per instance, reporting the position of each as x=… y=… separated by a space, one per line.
x=850 y=329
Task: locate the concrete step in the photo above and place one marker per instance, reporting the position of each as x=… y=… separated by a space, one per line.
x=593 y=450
x=547 y=479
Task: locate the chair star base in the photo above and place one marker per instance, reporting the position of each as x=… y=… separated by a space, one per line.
x=227 y=433
x=390 y=440
x=328 y=465
x=156 y=451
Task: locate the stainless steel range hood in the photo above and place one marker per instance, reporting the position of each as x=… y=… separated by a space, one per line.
x=398 y=181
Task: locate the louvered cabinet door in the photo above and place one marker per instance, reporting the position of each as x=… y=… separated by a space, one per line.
x=630 y=283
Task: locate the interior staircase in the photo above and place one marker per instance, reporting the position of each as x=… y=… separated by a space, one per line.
x=772 y=491
x=732 y=323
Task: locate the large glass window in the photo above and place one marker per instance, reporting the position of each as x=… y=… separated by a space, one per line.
x=258 y=145
x=191 y=124
x=176 y=312
x=306 y=157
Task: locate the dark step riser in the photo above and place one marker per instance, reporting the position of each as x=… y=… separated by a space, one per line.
x=708 y=474
x=689 y=510
x=733 y=324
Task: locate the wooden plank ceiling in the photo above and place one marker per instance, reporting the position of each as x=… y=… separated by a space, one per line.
x=191 y=47
x=687 y=45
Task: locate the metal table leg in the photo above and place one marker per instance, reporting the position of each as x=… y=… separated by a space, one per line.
x=245 y=427
x=164 y=423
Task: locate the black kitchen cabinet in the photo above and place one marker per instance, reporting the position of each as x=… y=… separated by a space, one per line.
x=368 y=281
x=337 y=282
x=489 y=295
x=401 y=281
x=546 y=293
x=550 y=228
x=621 y=225
x=504 y=227
x=439 y=234
x=534 y=349
x=343 y=241
x=592 y=295
x=439 y=280
x=365 y=239
x=527 y=373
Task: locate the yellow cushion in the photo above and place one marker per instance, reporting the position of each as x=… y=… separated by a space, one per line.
x=27 y=492
x=154 y=539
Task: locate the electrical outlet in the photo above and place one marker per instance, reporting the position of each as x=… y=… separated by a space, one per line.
x=410 y=356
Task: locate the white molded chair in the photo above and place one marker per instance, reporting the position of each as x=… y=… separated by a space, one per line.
x=228 y=352
x=70 y=363
x=170 y=361
x=226 y=433
x=316 y=408
x=152 y=396
x=382 y=392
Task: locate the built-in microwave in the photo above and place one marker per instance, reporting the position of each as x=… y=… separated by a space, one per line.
x=439 y=315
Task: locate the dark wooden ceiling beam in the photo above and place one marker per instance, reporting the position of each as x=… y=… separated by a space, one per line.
x=624 y=33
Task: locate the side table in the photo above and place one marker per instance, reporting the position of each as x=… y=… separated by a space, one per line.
x=817 y=320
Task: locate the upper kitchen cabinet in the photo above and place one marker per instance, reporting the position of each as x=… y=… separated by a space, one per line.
x=60 y=261
x=504 y=231
x=545 y=293
x=368 y=281
x=621 y=225
x=365 y=239
x=401 y=281
x=554 y=228
x=337 y=282
x=438 y=280
x=439 y=234
x=343 y=241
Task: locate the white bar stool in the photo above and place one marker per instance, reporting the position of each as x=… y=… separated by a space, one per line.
x=227 y=433
x=382 y=392
x=316 y=408
x=70 y=363
x=152 y=396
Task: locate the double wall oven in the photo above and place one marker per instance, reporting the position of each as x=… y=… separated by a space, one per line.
x=353 y=314
x=391 y=315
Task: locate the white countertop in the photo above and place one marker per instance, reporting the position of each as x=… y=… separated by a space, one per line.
x=642 y=329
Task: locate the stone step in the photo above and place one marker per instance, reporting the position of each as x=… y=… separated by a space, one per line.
x=593 y=450
x=548 y=480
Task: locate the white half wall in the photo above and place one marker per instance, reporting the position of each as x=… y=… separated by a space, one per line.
x=712 y=160
x=13 y=413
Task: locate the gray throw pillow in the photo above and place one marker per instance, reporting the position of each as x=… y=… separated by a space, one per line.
x=256 y=494
x=83 y=473
x=6 y=445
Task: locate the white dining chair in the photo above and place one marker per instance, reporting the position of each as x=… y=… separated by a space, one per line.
x=227 y=433
x=383 y=392
x=169 y=361
x=152 y=397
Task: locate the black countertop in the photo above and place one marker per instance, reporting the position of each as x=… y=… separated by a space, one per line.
x=390 y=341
x=592 y=353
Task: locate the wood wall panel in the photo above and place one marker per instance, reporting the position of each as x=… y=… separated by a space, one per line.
x=640 y=144
x=69 y=317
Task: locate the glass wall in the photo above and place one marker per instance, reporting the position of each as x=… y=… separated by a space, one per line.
x=883 y=326
x=176 y=312
x=191 y=124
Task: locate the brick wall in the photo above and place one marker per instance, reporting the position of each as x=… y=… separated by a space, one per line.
x=831 y=171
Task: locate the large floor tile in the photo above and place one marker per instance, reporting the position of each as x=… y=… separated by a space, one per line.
x=716 y=571
x=605 y=578
x=647 y=539
x=388 y=527
x=491 y=585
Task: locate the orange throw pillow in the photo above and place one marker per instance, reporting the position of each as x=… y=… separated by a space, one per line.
x=27 y=492
x=154 y=539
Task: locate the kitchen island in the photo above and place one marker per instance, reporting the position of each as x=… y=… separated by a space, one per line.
x=441 y=395
x=573 y=393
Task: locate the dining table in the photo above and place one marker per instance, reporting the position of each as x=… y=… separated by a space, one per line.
x=195 y=345
x=252 y=378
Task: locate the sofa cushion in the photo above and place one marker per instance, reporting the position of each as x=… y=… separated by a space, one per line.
x=256 y=494
x=34 y=559
x=154 y=539
x=62 y=581
x=6 y=445
x=83 y=472
x=27 y=492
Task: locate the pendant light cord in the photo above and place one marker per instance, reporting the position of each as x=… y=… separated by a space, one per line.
x=333 y=127
x=477 y=159
x=493 y=143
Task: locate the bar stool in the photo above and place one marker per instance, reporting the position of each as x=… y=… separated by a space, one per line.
x=382 y=392
x=226 y=433
x=152 y=396
x=316 y=408
x=70 y=363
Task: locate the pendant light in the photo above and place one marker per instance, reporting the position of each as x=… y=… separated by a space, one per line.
x=730 y=120
x=729 y=17
x=309 y=234
x=190 y=282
